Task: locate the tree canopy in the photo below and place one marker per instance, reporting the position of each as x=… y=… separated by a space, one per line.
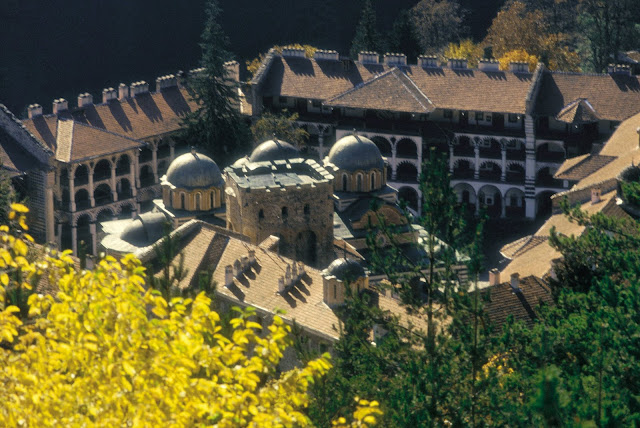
x=366 y=37
x=437 y=23
x=282 y=126
x=216 y=126
x=106 y=350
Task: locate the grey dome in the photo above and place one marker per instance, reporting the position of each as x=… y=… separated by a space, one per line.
x=272 y=150
x=145 y=229
x=355 y=152
x=344 y=269
x=194 y=171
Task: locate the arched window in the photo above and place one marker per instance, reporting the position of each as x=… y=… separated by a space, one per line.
x=307 y=209
x=197 y=201
x=285 y=212
x=359 y=183
x=373 y=180
x=183 y=204
x=213 y=204
x=344 y=182
x=261 y=214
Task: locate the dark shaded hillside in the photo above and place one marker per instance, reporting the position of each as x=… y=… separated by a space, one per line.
x=59 y=49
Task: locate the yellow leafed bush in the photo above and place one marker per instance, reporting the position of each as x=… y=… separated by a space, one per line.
x=108 y=351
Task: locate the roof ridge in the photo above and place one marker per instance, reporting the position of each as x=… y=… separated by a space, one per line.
x=360 y=85
x=414 y=85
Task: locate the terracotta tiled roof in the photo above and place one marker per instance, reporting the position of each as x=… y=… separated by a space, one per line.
x=141 y=117
x=504 y=301
x=321 y=80
x=76 y=141
x=473 y=90
x=13 y=157
x=579 y=111
x=392 y=91
x=534 y=257
x=582 y=166
x=613 y=97
x=496 y=91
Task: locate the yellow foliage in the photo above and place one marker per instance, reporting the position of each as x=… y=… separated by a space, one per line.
x=518 y=55
x=254 y=64
x=465 y=49
x=107 y=351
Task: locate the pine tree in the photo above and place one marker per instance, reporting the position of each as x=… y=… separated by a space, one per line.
x=404 y=38
x=366 y=38
x=217 y=126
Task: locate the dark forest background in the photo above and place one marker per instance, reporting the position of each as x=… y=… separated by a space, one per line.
x=52 y=49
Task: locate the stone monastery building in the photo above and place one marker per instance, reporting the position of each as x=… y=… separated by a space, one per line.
x=506 y=134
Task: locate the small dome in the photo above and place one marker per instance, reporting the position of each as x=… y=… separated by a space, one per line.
x=344 y=269
x=272 y=150
x=355 y=152
x=194 y=171
x=145 y=229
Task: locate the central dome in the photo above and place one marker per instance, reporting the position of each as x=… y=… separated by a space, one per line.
x=346 y=270
x=272 y=150
x=194 y=171
x=355 y=152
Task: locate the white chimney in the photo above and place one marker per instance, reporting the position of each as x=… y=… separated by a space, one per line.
x=287 y=276
x=252 y=256
x=428 y=61
x=167 y=81
x=34 y=110
x=85 y=99
x=138 y=88
x=519 y=67
x=301 y=267
x=515 y=282
x=281 y=287
x=60 y=105
x=293 y=52
x=494 y=277
x=395 y=59
x=595 y=195
x=108 y=94
x=294 y=271
x=488 y=65
x=322 y=54
x=457 y=63
x=123 y=91
x=245 y=262
x=368 y=58
x=228 y=275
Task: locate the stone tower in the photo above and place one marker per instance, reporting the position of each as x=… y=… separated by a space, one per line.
x=274 y=191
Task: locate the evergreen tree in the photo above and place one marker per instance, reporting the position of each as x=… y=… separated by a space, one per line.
x=403 y=37
x=216 y=126
x=366 y=38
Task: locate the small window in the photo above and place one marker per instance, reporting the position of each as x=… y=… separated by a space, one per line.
x=335 y=291
x=373 y=180
x=213 y=198
x=344 y=182
x=197 y=201
x=513 y=118
x=489 y=201
x=316 y=103
x=260 y=214
x=307 y=209
x=183 y=204
x=479 y=115
x=285 y=212
x=448 y=114
x=359 y=182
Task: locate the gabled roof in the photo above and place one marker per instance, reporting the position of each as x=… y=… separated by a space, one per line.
x=139 y=118
x=392 y=90
x=474 y=90
x=504 y=301
x=614 y=97
x=76 y=141
x=577 y=112
x=582 y=166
